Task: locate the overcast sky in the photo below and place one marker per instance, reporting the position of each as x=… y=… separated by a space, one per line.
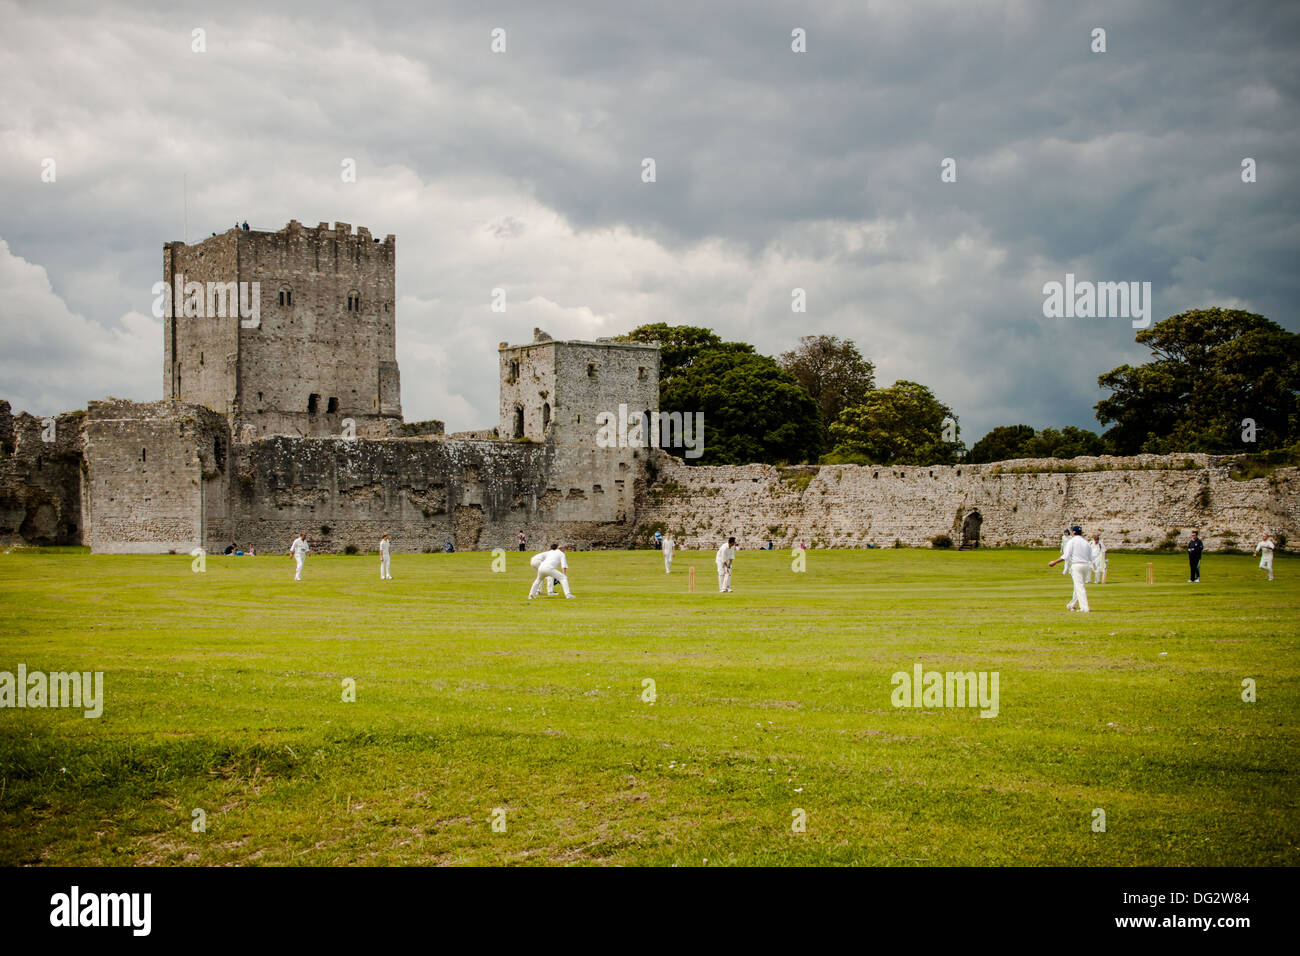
x=775 y=170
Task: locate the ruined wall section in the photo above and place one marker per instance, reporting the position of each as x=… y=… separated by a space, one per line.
x=1132 y=502
x=527 y=392
x=591 y=378
x=41 y=478
x=318 y=343
x=201 y=353
x=158 y=477
x=556 y=389
x=424 y=492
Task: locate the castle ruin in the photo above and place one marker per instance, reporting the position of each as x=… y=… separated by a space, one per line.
x=291 y=420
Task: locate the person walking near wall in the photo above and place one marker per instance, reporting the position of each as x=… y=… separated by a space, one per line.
x=1265 y=551
x=385 y=572
x=1194 y=548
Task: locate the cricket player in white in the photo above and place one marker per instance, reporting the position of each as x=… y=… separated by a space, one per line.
x=1065 y=543
x=1265 y=551
x=1077 y=558
x=668 y=554
x=553 y=565
x=299 y=550
x=385 y=573
x=1094 y=564
x=726 y=554
x=536 y=561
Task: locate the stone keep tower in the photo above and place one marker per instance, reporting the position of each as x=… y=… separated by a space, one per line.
x=555 y=390
x=322 y=348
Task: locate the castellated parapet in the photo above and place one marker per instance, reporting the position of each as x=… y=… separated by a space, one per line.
x=322 y=348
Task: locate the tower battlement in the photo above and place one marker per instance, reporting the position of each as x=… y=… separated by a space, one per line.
x=323 y=346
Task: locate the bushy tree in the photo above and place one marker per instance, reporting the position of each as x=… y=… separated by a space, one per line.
x=832 y=371
x=1067 y=442
x=1212 y=369
x=680 y=346
x=753 y=411
x=902 y=424
x=1000 y=444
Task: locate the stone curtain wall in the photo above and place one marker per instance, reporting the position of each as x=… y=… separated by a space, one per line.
x=40 y=481
x=1132 y=502
x=423 y=492
x=157 y=477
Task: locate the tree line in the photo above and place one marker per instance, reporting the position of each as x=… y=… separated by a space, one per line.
x=1220 y=381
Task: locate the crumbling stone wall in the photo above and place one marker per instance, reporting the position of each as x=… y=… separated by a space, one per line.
x=41 y=472
x=1132 y=502
x=557 y=389
x=158 y=477
x=424 y=492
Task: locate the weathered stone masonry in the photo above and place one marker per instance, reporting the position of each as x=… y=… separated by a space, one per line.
x=250 y=447
x=1133 y=502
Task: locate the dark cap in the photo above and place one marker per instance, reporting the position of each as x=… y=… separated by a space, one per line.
x=1076 y=530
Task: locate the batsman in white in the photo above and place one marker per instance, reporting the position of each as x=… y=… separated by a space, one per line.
x=553 y=565
x=385 y=573
x=1077 y=558
x=299 y=550
x=1265 y=551
x=726 y=555
x=668 y=553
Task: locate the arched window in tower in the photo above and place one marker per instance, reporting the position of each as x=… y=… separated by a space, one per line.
x=354 y=301
x=313 y=403
x=144 y=454
x=519 y=421
x=546 y=415
x=514 y=370
x=286 y=298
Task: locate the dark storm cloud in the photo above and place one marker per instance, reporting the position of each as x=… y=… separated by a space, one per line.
x=775 y=169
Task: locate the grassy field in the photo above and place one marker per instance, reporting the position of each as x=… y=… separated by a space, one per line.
x=224 y=692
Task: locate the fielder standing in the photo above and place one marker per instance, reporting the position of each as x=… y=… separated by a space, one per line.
x=1077 y=558
x=668 y=553
x=299 y=550
x=385 y=573
x=726 y=554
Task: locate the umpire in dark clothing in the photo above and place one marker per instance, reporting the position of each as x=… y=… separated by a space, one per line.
x=1194 y=549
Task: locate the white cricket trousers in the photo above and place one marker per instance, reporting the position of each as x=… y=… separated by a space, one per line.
x=384 y=572
x=668 y=562
x=724 y=577
x=555 y=574
x=1266 y=564
x=297 y=574
x=1080 y=598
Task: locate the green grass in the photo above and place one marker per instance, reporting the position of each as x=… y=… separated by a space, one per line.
x=223 y=692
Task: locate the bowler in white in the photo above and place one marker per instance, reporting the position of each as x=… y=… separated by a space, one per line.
x=553 y=565
x=299 y=550
x=1265 y=551
x=385 y=572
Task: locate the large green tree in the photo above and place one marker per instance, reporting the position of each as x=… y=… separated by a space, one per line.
x=832 y=371
x=1000 y=444
x=1211 y=370
x=903 y=424
x=753 y=411
x=680 y=346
